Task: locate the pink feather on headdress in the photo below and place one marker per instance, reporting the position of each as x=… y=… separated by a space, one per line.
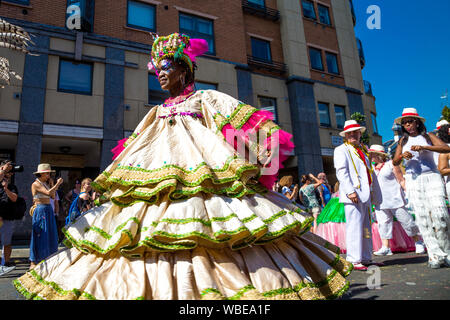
x=196 y=48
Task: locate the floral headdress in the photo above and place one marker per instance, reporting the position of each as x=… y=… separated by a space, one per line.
x=177 y=47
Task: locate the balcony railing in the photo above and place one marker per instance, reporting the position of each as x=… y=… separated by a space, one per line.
x=267 y=65
x=261 y=11
x=352 y=8
x=368 y=87
x=362 y=58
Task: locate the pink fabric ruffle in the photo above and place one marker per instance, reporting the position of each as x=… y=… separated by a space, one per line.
x=252 y=126
x=400 y=241
x=119 y=148
x=334 y=233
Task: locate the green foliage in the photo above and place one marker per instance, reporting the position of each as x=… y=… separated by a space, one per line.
x=361 y=119
x=446 y=114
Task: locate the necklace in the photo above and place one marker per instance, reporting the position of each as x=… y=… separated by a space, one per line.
x=173 y=109
x=178 y=100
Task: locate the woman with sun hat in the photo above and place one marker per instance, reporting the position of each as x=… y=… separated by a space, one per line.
x=391 y=183
x=44 y=235
x=424 y=186
x=184 y=215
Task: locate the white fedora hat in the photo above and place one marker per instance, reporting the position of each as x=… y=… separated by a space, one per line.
x=44 y=168
x=351 y=125
x=409 y=113
x=441 y=123
x=376 y=148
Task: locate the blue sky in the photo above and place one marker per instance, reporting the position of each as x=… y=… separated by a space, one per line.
x=408 y=59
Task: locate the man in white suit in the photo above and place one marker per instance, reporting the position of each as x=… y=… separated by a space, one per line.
x=358 y=189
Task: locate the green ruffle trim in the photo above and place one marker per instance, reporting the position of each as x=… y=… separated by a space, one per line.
x=283 y=291
x=222 y=121
x=211 y=175
x=230 y=186
x=132 y=196
x=74 y=292
x=185 y=241
x=53 y=290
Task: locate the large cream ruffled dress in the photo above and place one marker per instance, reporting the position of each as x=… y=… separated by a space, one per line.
x=183 y=216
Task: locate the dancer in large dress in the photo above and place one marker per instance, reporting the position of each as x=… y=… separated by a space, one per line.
x=393 y=204
x=424 y=187
x=358 y=189
x=183 y=216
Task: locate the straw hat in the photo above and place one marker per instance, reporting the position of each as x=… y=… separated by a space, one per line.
x=351 y=125
x=441 y=123
x=44 y=168
x=376 y=148
x=409 y=113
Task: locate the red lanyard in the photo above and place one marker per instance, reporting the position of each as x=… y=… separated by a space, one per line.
x=363 y=158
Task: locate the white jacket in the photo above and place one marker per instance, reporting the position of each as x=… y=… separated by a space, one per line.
x=351 y=180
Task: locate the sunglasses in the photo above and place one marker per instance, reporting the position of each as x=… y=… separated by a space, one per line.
x=408 y=121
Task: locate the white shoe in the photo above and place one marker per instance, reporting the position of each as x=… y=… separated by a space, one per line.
x=4 y=270
x=383 y=252
x=420 y=247
x=434 y=264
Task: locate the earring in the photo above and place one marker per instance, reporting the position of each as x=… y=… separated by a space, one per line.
x=182 y=81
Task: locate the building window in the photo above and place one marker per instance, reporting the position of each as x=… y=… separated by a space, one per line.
x=308 y=9
x=261 y=50
x=205 y=86
x=196 y=27
x=324 y=115
x=339 y=112
x=24 y=2
x=257 y=3
x=141 y=15
x=324 y=14
x=332 y=63
x=374 y=123
x=75 y=77
x=156 y=95
x=315 y=56
x=268 y=104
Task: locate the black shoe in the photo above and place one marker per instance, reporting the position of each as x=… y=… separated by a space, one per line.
x=10 y=264
x=373 y=263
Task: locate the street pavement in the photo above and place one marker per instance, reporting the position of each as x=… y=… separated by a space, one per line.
x=405 y=276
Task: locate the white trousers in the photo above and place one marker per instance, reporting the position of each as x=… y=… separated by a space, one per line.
x=426 y=193
x=358 y=232
x=385 y=218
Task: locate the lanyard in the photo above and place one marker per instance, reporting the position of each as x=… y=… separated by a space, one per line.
x=369 y=170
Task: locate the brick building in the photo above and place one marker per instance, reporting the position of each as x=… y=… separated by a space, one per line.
x=89 y=87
